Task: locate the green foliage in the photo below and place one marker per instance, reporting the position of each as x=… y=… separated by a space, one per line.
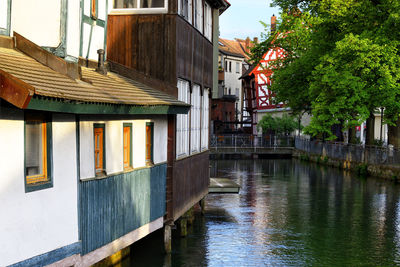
x=362 y=170
x=276 y=125
x=342 y=60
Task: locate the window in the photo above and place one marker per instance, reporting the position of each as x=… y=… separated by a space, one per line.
x=99 y=155
x=185 y=9
x=237 y=67
x=207 y=21
x=226 y=65
x=37 y=153
x=195 y=119
x=127 y=143
x=93 y=9
x=198 y=15
x=237 y=92
x=5 y=11
x=149 y=143
x=230 y=66
x=182 y=121
x=205 y=119
x=140 y=4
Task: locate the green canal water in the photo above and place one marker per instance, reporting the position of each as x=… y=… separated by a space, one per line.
x=288 y=213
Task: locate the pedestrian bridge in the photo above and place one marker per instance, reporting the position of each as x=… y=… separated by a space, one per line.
x=251 y=145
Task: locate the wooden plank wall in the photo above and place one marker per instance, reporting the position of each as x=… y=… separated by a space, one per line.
x=161 y=46
x=190 y=183
x=145 y=43
x=117 y=205
x=194 y=54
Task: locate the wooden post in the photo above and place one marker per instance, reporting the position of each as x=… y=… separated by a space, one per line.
x=202 y=204
x=183 y=226
x=167 y=238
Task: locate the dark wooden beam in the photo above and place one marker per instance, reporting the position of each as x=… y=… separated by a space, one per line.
x=46 y=58
x=6 y=42
x=14 y=90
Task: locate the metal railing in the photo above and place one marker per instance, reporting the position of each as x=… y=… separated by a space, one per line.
x=357 y=153
x=250 y=141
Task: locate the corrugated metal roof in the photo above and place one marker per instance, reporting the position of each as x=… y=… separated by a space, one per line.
x=111 y=88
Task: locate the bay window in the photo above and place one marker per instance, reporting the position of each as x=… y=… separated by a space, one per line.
x=185 y=9
x=140 y=6
x=207 y=21
x=182 y=121
x=198 y=15
x=195 y=119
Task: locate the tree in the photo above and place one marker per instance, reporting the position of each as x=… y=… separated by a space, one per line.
x=342 y=61
x=276 y=125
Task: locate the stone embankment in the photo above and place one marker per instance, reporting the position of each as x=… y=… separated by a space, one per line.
x=374 y=161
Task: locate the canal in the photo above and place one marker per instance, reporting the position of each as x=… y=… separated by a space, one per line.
x=288 y=213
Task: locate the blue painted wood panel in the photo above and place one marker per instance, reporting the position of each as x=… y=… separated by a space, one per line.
x=117 y=205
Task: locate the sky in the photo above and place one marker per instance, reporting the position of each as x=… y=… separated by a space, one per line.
x=243 y=18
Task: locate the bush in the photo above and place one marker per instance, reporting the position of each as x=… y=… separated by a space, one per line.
x=275 y=125
x=362 y=170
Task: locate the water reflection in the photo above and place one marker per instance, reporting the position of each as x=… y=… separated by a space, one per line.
x=291 y=213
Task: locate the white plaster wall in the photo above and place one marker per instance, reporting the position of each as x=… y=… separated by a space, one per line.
x=114 y=144
x=114 y=147
x=73 y=28
x=37 y=20
x=232 y=79
x=86 y=149
x=97 y=41
x=160 y=140
x=37 y=222
x=139 y=143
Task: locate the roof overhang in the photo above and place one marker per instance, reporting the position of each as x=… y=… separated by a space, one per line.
x=76 y=107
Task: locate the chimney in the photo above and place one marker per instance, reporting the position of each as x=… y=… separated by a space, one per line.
x=255 y=40
x=247 y=48
x=273 y=24
x=100 y=64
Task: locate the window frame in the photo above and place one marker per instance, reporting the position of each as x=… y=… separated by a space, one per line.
x=189 y=9
x=208 y=21
x=140 y=10
x=127 y=125
x=149 y=161
x=103 y=171
x=46 y=121
x=94 y=9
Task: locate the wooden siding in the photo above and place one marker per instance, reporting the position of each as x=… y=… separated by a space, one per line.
x=191 y=178
x=194 y=54
x=163 y=47
x=145 y=43
x=117 y=205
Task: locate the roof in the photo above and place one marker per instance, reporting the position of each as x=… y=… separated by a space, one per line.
x=42 y=81
x=248 y=72
x=230 y=47
x=237 y=47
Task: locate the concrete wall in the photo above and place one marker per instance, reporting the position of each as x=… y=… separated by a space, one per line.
x=37 y=20
x=41 y=221
x=114 y=143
